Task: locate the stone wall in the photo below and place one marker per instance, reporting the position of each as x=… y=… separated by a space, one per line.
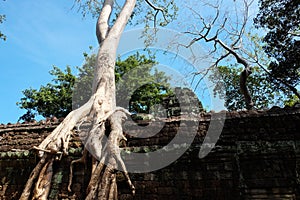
x=256 y=157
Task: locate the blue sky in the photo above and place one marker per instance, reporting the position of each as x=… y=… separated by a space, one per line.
x=40 y=34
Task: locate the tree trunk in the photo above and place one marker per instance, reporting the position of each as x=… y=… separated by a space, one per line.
x=244 y=89
x=244 y=74
x=100 y=108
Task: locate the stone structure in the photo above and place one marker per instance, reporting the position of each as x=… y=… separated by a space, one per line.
x=256 y=157
x=182 y=102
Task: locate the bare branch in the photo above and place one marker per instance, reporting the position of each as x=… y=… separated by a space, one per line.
x=238 y=58
x=155 y=7
x=203 y=76
x=158 y=10
x=211 y=32
x=221 y=58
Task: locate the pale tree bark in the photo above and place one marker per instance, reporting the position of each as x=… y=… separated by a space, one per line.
x=102 y=26
x=100 y=108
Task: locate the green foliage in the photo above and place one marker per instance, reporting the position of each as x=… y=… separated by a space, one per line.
x=264 y=93
x=291 y=100
x=135 y=82
x=151 y=89
x=137 y=86
x=281 y=19
x=86 y=7
x=53 y=99
x=66 y=90
x=84 y=83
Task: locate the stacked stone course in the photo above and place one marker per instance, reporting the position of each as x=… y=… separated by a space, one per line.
x=256 y=157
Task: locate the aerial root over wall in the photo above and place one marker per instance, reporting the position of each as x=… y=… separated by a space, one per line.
x=105 y=152
x=42 y=175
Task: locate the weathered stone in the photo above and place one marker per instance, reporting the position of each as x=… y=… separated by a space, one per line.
x=256 y=157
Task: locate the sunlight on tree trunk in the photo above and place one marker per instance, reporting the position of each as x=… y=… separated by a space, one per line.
x=100 y=108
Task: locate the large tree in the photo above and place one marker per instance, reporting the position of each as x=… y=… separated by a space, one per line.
x=99 y=109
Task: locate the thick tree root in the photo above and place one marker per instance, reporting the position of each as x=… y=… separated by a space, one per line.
x=105 y=162
x=58 y=140
x=43 y=184
x=102 y=183
x=43 y=171
x=83 y=160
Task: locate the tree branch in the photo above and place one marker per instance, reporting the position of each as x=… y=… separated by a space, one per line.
x=158 y=10
x=230 y=49
x=102 y=27
x=154 y=7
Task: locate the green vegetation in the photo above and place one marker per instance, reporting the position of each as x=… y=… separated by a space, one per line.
x=282 y=42
x=264 y=92
x=53 y=99
x=143 y=88
x=276 y=77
